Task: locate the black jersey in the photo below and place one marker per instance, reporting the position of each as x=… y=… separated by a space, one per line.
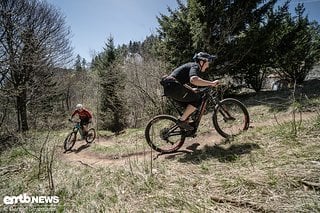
x=185 y=72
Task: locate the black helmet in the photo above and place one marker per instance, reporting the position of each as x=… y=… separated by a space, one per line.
x=204 y=57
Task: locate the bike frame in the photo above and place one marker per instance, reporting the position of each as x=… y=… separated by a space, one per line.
x=77 y=128
x=161 y=129
x=199 y=113
x=69 y=142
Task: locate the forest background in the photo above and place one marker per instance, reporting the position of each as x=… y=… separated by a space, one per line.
x=253 y=40
x=272 y=167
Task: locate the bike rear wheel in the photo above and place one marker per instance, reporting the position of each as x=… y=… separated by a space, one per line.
x=91 y=135
x=230 y=117
x=70 y=141
x=163 y=135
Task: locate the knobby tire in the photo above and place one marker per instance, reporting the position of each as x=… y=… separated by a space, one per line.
x=70 y=141
x=163 y=135
x=230 y=117
x=91 y=135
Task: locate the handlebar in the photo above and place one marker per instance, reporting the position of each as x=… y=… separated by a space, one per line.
x=213 y=92
x=72 y=121
x=219 y=88
x=203 y=89
x=78 y=121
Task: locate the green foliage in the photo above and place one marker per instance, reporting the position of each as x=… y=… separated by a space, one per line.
x=208 y=26
x=250 y=38
x=298 y=46
x=80 y=63
x=148 y=48
x=174 y=30
x=112 y=82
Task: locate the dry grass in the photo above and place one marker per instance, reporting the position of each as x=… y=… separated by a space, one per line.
x=265 y=169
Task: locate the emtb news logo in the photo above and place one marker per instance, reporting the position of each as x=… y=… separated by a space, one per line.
x=24 y=198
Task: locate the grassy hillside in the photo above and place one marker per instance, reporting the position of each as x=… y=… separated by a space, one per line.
x=273 y=167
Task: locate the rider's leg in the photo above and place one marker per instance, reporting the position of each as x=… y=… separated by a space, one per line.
x=187 y=112
x=85 y=129
x=183 y=120
x=183 y=95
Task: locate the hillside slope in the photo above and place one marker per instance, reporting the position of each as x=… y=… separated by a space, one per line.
x=273 y=167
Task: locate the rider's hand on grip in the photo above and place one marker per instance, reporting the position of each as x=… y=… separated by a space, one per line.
x=215 y=83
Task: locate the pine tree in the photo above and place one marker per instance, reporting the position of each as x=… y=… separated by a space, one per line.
x=174 y=31
x=212 y=26
x=257 y=41
x=113 y=112
x=298 y=47
x=77 y=64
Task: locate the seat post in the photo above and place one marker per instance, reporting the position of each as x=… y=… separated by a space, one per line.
x=175 y=106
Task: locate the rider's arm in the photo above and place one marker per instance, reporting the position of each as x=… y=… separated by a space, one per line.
x=197 y=81
x=73 y=114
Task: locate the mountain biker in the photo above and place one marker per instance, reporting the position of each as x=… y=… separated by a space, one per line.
x=85 y=117
x=176 y=85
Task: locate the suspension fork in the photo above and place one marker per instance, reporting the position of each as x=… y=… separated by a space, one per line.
x=225 y=113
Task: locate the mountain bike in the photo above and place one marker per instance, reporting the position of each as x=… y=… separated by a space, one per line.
x=72 y=136
x=230 y=117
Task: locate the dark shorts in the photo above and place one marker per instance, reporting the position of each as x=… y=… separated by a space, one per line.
x=84 y=121
x=181 y=94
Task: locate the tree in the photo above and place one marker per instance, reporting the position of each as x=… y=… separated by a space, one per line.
x=149 y=47
x=84 y=64
x=134 y=47
x=217 y=27
x=258 y=37
x=213 y=26
x=80 y=63
x=298 y=47
x=77 y=64
x=248 y=36
x=33 y=40
x=112 y=81
x=174 y=31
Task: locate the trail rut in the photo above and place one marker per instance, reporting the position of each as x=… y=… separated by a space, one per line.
x=82 y=153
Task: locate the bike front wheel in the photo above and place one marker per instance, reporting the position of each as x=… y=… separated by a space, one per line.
x=91 y=135
x=163 y=134
x=230 y=117
x=70 y=141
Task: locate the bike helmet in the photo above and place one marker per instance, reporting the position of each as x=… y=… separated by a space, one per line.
x=79 y=106
x=202 y=56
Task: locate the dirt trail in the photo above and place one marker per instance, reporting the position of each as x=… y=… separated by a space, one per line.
x=83 y=155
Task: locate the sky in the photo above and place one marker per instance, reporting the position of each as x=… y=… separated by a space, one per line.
x=93 y=21
x=312 y=8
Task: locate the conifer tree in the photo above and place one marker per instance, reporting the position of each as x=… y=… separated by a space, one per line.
x=112 y=113
x=298 y=48
x=248 y=36
x=77 y=64
x=174 y=31
x=212 y=26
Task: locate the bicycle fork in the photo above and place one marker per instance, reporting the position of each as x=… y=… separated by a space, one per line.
x=225 y=113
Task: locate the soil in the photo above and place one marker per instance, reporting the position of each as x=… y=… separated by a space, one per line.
x=82 y=154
